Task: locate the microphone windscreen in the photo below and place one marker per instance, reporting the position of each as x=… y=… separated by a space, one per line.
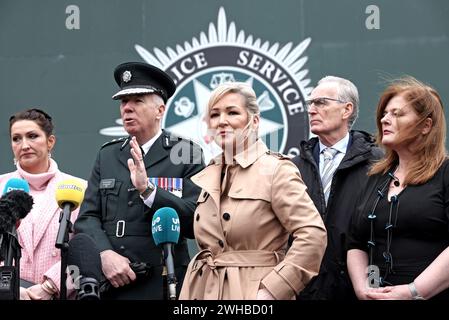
x=6 y=217
x=70 y=191
x=19 y=202
x=16 y=184
x=165 y=226
x=84 y=254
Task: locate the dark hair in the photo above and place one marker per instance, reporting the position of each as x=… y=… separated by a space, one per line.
x=42 y=119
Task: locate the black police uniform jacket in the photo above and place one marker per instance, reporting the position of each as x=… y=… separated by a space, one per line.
x=114 y=215
x=332 y=282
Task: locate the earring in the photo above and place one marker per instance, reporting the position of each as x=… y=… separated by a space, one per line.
x=15 y=161
x=49 y=155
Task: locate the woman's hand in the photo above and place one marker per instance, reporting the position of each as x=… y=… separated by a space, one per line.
x=24 y=294
x=34 y=293
x=399 y=292
x=264 y=294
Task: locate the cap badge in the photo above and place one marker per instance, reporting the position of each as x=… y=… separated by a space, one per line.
x=126 y=76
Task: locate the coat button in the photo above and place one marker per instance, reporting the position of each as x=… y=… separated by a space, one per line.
x=130 y=203
x=220 y=243
x=205 y=194
x=201 y=272
x=226 y=216
x=197 y=216
x=54 y=254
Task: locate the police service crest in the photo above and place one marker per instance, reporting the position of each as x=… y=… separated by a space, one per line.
x=225 y=54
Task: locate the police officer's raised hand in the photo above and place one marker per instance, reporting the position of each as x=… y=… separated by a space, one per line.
x=136 y=167
x=116 y=268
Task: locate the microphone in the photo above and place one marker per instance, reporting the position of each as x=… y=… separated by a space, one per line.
x=15 y=204
x=165 y=230
x=84 y=264
x=16 y=184
x=69 y=195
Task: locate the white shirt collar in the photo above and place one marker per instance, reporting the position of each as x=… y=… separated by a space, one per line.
x=147 y=145
x=341 y=145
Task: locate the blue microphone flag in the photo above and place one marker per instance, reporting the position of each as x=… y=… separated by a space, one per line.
x=165 y=226
x=16 y=184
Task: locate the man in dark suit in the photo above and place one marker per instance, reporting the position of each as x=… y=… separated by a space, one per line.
x=334 y=167
x=131 y=179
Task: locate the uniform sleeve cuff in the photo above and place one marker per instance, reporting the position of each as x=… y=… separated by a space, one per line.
x=150 y=200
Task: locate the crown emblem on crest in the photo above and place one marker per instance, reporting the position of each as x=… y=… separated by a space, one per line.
x=126 y=76
x=289 y=57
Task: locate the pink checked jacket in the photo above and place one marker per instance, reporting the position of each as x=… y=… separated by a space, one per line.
x=38 y=230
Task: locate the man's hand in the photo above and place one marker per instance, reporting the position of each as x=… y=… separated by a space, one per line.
x=136 y=167
x=116 y=268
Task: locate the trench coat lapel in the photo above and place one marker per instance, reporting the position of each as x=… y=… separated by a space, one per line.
x=209 y=179
x=249 y=156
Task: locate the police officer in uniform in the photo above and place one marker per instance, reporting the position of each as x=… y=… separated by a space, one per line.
x=131 y=179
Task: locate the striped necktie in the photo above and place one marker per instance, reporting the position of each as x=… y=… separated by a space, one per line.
x=328 y=171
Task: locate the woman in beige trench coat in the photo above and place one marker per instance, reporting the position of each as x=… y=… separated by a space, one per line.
x=251 y=201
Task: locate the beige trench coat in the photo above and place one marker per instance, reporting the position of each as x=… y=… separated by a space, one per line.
x=243 y=231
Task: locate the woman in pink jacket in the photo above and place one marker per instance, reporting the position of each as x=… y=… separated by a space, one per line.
x=32 y=140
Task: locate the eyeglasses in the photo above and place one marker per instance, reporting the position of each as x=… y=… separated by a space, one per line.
x=320 y=102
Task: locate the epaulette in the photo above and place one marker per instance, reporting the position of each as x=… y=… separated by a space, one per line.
x=169 y=140
x=125 y=140
x=279 y=155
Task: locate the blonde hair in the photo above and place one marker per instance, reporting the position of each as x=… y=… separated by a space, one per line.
x=241 y=88
x=430 y=151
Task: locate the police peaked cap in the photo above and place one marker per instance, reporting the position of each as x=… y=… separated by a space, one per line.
x=142 y=78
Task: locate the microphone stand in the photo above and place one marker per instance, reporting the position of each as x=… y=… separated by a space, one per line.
x=10 y=280
x=62 y=242
x=18 y=254
x=170 y=272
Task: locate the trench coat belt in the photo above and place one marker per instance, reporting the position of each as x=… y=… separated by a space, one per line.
x=238 y=258
x=233 y=259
